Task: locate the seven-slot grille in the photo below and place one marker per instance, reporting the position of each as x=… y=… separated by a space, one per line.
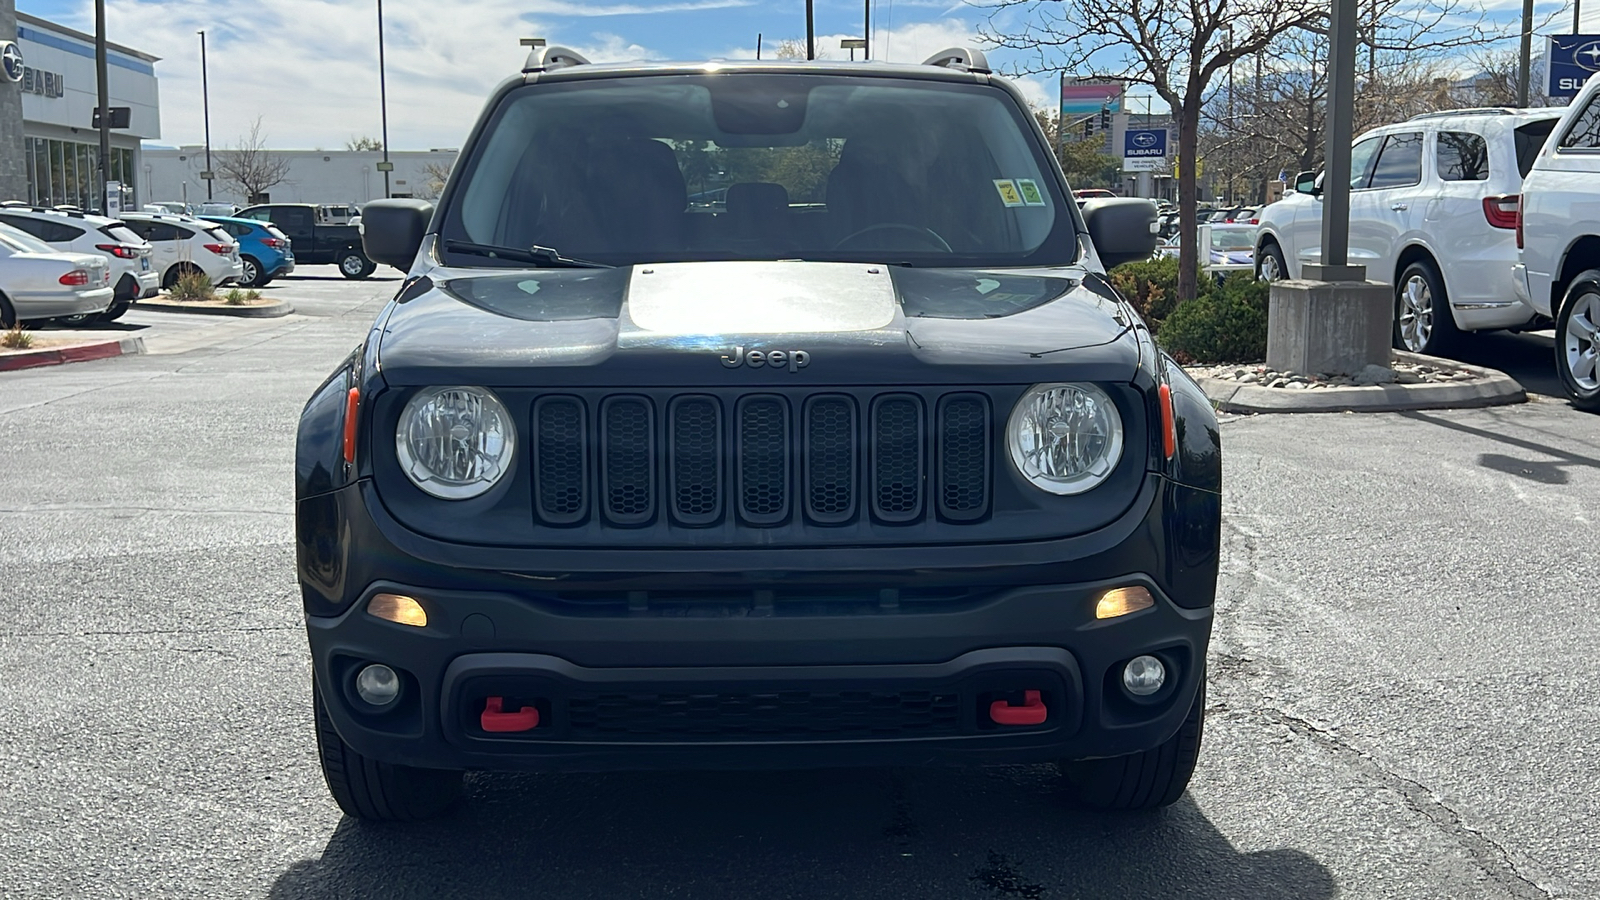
x=762 y=459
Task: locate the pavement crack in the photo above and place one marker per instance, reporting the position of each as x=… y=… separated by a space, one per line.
x=1487 y=853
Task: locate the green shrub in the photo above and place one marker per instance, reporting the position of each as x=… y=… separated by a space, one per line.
x=1151 y=285
x=235 y=297
x=252 y=294
x=1226 y=323
x=193 y=287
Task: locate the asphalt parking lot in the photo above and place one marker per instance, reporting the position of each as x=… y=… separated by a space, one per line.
x=1400 y=701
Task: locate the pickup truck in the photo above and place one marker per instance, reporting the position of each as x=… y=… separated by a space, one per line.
x=315 y=242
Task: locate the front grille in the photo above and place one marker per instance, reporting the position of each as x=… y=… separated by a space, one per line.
x=897 y=447
x=762 y=460
x=784 y=713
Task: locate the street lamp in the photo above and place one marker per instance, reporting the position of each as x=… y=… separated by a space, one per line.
x=383 y=105
x=205 y=99
x=102 y=102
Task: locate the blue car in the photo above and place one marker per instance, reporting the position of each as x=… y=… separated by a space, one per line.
x=264 y=250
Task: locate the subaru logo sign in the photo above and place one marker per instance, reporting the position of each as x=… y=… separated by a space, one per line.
x=11 y=61
x=1587 y=57
x=1144 y=139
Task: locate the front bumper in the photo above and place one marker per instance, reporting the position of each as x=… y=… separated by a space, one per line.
x=674 y=679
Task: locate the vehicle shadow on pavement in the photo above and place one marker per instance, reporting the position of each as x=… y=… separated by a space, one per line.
x=869 y=833
x=1544 y=471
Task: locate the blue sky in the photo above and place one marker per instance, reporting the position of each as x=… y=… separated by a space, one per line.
x=308 y=68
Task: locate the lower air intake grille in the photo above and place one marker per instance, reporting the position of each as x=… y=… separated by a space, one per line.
x=790 y=713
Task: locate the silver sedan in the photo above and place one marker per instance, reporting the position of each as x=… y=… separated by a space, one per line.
x=38 y=281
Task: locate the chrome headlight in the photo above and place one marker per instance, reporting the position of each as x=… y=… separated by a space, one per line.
x=455 y=442
x=1065 y=438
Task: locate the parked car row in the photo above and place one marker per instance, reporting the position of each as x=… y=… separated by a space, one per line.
x=1481 y=219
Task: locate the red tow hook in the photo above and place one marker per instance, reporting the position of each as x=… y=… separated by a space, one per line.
x=495 y=719
x=1031 y=712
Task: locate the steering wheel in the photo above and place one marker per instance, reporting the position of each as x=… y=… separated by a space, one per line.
x=928 y=235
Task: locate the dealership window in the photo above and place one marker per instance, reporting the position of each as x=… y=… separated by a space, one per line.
x=62 y=173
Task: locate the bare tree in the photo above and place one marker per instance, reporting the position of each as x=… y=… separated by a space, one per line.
x=792 y=49
x=1179 y=49
x=434 y=174
x=249 y=168
x=363 y=142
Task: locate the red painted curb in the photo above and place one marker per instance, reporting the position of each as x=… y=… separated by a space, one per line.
x=55 y=356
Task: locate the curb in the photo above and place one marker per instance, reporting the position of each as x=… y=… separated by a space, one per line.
x=1495 y=389
x=275 y=310
x=56 y=356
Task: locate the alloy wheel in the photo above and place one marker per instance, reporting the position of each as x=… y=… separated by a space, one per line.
x=1269 y=268
x=352 y=264
x=250 y=272
x=1416 y=313
x=1583 y=323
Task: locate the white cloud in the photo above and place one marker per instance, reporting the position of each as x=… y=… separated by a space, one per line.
x=309 y=68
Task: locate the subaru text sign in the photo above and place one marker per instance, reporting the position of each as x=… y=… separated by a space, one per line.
x=1574 y=58
x=1144 y=150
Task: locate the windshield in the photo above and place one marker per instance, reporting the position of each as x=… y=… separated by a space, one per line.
x=759 y=166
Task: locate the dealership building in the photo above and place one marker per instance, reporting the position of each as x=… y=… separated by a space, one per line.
x=48 y=143
x=306 y=176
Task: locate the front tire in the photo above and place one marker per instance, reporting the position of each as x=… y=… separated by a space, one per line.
x=353 y=264
x=1578 y=343
x=115 y=312
x=1423 y=322
x=1141 y=781
x=379 y=792
x=1270 y=265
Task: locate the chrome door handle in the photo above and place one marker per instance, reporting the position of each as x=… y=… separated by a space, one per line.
x=1400 y=207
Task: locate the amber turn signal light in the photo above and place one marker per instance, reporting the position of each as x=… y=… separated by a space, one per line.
x=1120 y=601
x=399 y=608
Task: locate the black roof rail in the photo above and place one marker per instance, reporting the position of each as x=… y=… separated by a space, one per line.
x=963 y=59
x=548 y=59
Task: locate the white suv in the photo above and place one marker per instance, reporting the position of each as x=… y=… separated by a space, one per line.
x=186 y=244
x=1559 y=232
x=128 y=255
x=1433 y=207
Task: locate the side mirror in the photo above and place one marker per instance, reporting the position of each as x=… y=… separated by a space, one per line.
x=392 y=230
x=1306 y=183
x=1123 y=230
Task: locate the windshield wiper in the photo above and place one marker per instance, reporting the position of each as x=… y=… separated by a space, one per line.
x=546 y=257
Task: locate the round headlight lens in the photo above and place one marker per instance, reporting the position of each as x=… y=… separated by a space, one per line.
x=1065 y=438
x=455 y=442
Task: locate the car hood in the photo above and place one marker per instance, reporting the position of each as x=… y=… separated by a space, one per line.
x=714 y=323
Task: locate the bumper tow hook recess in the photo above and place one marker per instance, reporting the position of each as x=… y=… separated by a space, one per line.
x=496 y=720
x=1031 y=712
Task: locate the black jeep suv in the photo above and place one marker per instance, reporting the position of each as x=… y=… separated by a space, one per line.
x=756 y=415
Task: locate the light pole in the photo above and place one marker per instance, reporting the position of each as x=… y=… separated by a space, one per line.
x=104 y=166
x=205 y=101
x=811 y=31
x=1527 y=51
x=383 y=104
x=866 y=29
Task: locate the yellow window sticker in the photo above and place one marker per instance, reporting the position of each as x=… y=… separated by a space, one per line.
x=1029 y=189
x=1008 y=192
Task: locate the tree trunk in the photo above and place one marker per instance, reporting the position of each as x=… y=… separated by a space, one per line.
x=1188 y=115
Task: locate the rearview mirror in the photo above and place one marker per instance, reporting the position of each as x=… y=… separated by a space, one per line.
x=1306 y=183
x=1123 y=229
x=392 y=230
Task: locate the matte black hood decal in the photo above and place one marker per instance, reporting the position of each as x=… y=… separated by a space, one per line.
x=965 y=294
x=545 y=295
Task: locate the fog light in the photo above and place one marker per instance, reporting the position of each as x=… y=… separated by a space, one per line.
x=1121 y=601
x=398 y=608
x=1144 y=675
x=379 y=685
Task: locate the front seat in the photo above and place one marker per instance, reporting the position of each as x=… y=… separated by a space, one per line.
x=639 y=195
